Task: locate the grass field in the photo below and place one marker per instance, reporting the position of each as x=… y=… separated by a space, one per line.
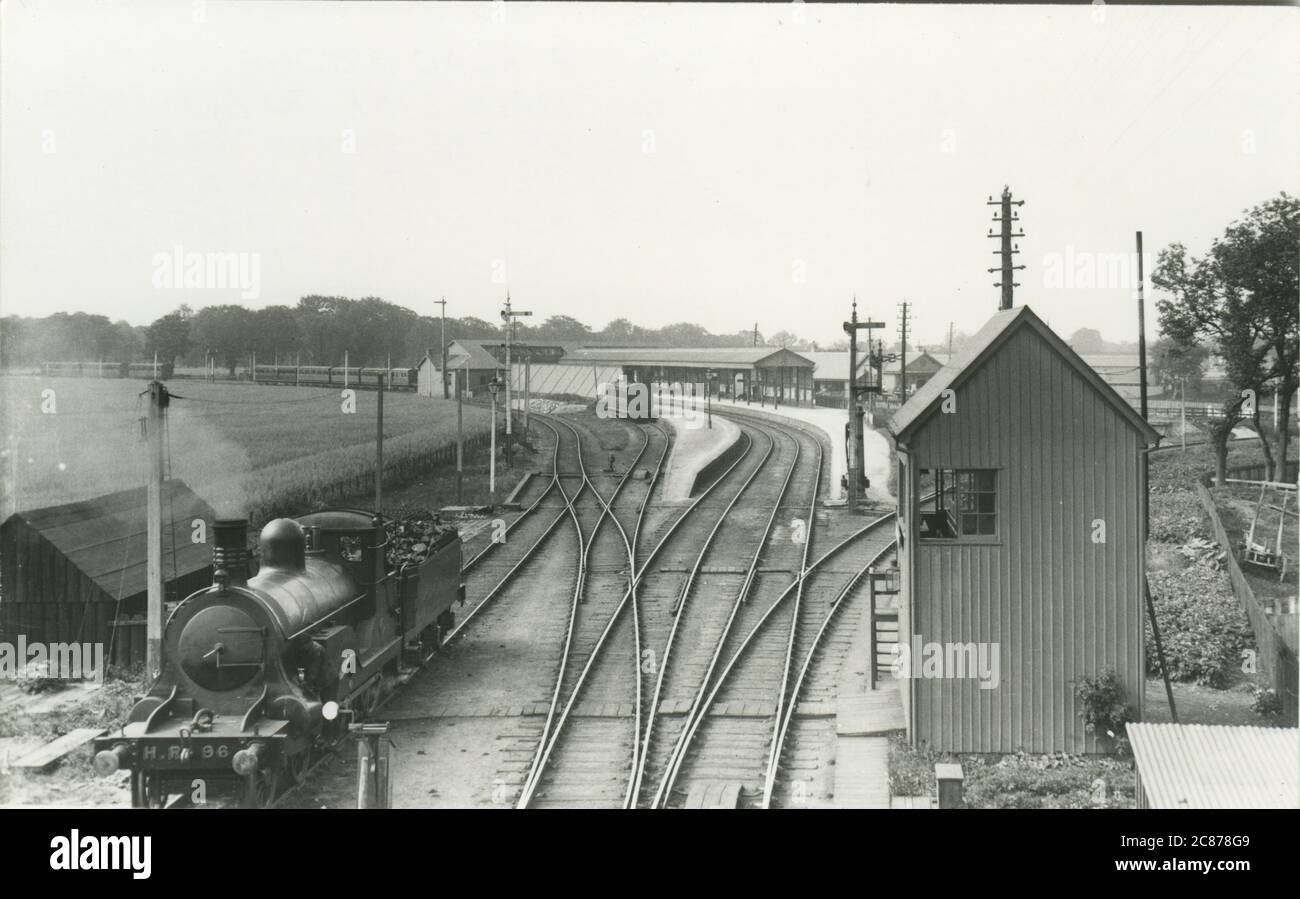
x=248 y=449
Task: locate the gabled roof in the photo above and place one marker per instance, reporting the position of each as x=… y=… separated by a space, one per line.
x=917 y=360
x=104 y=537
x=1216 y=766
x=984 y=344
x=834 y=366
x=471 y=354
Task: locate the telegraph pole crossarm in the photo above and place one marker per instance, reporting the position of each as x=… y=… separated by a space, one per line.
x=1007 y=250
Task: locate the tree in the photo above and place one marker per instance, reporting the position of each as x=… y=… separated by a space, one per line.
x=787 y=340
x=1177 y=367
x=1087 y=340
x=226 y=331
x=169 y=336
x=277 y=334
x=563 y=327
x=1240 y=297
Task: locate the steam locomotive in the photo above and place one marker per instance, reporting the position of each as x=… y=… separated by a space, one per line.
x=261 y=672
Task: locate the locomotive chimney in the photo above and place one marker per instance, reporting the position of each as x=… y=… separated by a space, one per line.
x=230 y=549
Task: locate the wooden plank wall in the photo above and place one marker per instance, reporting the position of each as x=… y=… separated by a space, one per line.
x=1058 y=605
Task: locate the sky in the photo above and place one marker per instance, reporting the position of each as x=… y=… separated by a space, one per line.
x=729 y=165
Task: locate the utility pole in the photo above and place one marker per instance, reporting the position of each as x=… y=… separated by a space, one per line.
x=379 y=447
x=443 y=303
x=855 y=465
x=460 y=441
x=902 y=354
x=1142 y=330
x=755 y=333
x=159 y=399
x=950 y=340
x=1008 y=249
x=508 y=315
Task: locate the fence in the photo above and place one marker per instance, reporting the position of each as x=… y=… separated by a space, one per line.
x=1276 y=658
x=1257 y=472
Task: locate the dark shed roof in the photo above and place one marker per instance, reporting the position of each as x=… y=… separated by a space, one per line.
x=104 y=537
x=691 y=357
x=986 y=342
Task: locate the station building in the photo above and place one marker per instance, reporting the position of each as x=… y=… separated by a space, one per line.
x=768 y=374
x=1021 y=506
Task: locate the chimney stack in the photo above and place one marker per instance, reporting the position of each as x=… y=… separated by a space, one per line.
x=230 y=549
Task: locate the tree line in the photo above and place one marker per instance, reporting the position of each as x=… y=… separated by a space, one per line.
x=318 y=330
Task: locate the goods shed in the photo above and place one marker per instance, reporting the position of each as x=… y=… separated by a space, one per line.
x=67 y=573
x=1021 y=543
x=759 y=374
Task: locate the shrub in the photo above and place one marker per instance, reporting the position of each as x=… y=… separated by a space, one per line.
x=1104 y=709
x=1267 y=704
x=1205 y=630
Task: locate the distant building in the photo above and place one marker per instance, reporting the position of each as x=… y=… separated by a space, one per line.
x=767 y=374
x=831 y=376
x=468 y=356
x=921 y=366
x=1021 y=543
x=1215 y=766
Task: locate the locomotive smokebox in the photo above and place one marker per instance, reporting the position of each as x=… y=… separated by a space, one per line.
x=230 y=549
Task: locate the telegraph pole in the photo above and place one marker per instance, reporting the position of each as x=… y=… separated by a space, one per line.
x=1008 y=249
x=379 y=448
x=443 y=303
x=460 y=441
x=902 y=354
x=508 y=315
x=159 y=399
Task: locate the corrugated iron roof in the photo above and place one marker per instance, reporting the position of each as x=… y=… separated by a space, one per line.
x=834 y=366
x=692 y=357
x=104 y=537
x=980 y=347
x=1216 y=766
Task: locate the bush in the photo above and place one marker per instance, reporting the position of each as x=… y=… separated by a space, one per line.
x=1050 y=781
x=1104 y=709
x=1205 y=630
x=1267 y=704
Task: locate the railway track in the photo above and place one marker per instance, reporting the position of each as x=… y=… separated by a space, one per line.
x=619 y=651
x=737 y=733
x=685 y=600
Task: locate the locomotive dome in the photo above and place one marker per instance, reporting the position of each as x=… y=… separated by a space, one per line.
x=284 y=544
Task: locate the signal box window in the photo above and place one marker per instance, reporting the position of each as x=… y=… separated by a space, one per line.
x=956 y=503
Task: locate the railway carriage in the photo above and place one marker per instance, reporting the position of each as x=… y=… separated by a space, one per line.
x=260 y=671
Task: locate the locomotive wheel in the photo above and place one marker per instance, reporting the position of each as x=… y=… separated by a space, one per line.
x=147 y=790
x=257 y=790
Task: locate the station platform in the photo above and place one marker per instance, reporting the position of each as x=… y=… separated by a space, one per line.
x=877 y=455
x=695 y=445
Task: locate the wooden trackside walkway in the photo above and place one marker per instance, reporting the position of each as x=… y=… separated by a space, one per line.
x=864 y=720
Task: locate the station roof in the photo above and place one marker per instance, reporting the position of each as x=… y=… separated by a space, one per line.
x=104 y=537
x=690 y=357
x=1216 y=766
x=834 y=366
x=982 y=346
